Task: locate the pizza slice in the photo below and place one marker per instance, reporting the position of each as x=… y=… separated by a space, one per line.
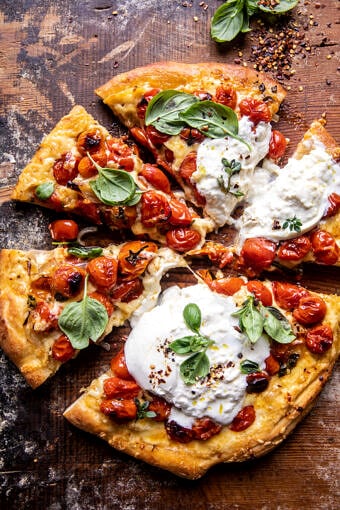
x=53 y=303
x=214 y=373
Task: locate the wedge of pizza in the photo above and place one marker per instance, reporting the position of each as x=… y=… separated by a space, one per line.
x=214 y=373
x=54 y=303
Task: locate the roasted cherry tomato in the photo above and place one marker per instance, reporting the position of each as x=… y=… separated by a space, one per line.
x=125 y=409
x=256 y=110
x=119 y=216
x=277 y=145
x=260 y=291
x=65 y=169
x=294 y=249
x=103 y=271
x=227 y=286
x=191 y=135
x=180 y=214
x=243 y=419
x=155 y=177
x=42 y=318
x=257 y=382
x=140 y=136
x=334 y=205
x=92 y=140
x=288 y=295
x=182 y=239
x=135 y=256
x=272 y=365
x=155 y=209
x=143 y=103
x=203 y=95
x=178 y=433
x=219 y=254
x=128 y=291
x=68 y=281
x=226 y=96
x=319 y=339
x=258 y=252
x=63 y=230
x=87 y=169
x=156 y=137
x=188 y=166
x=54 y=202
x=114 y=387
x=324 y=247
x=121 y=154
x=204 y=428
x=119 y=368
x=104 y=300
x=311 y=309
x=161 y=407
x=62 y=349
x=89 y=211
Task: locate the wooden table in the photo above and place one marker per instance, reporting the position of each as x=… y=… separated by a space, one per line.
x=52 y=55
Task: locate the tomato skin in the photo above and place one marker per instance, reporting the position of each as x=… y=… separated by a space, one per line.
x=121 y=154
x=180 y=214
x=260 y=291
x=87 y=169
x=178 y=433
x=119 y=409
x=311 y=309
x=88 y=210
x=258 y=252
x=119 y=368
x=272 y=365
x=202 y=95
x=319 y=339
x=143 y=103
x=226 y=96
x=288 y=295
x=227 y=286
x=257 y=382
x=65 y=169
x=255 y=109
x=188 y=166
x=90 y=141
x=42 y=318
x=128 y=291
x=134 y=257
x=325 y=248
x=277 y=145
x=114 y=387
x=104 y=300
x=156 y=137
x=205 y=428
x=182 y=239
x=62 y=349
x=334 y=205
x=63 y=230
x=155 y=209
x=243 y=419
x=294 y=249
x=68 y=280
x=119 y=216
x=191 y=136
x=103 y=271
x=155 y=177
x=161 y=407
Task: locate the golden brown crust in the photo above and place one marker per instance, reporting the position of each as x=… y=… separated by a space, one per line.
x=278 y=410
x=123 y=92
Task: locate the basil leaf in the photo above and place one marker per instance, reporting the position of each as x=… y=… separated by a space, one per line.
x=182 y=345
x=195 y=367
x=114 y=189
x=249 y=367
x=192 y=316
x=250 y=320
x=44 y=190
x=245 y=25
x=164 y=109
x=85 y=252
x=281 y=7
x=135 y=199
x=277 y=326
x=251 y=7
x=227 y=21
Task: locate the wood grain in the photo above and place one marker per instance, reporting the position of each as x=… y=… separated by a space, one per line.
x=53 y=54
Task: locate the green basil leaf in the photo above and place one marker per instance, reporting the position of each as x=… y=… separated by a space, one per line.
x=135 y=199
x=195 y=367
x=85 y=252
x=115 y=190
x=44 y=190
x=249 y=367
x=250 y=320
x=227 y=21
x=192 y=316
x=182 y=345
x=245 y=25
x=277 y=326
x=163 y=110
x=281 y=7
x=251 y=7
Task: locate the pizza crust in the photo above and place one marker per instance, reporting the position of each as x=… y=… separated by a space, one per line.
x=278 y=410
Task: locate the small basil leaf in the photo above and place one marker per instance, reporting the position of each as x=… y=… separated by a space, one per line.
x=277 y=326
x=252 y=323
x=249 y=367
x=44 y=190
x=114 y=193
x=245 y=25
x=192 y=317
x=251 y=7
x=135 y=199
x=281 y=7
x=163 y=110
x=195 y=367
x=227 y=21
x=85 y=252
x=182 y=345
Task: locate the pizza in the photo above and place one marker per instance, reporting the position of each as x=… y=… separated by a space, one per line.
x=70 y=296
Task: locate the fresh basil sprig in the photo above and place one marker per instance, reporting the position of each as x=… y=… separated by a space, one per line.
x=232 y=17
x=85 y=252
x=83 y=320
x=249 y=367
x=45 y=190
x=198 y=365
x=294 y=224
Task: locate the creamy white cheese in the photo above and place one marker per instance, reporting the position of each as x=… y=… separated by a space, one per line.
x=156 y=368
x=299 y=189
x=220 y=204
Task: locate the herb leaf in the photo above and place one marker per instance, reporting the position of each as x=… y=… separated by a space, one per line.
x=192 y=317
x=195 y=367
x=85 y=252
x=250 y=320
x=44 y=190
x=294 y=224
x=213 y=119
x=142 y=410
x=276 y=325
x=227 y=21
x=83 y=321
x=249 y=367
x=281 y=7
x=188 y=344
x=231 y=168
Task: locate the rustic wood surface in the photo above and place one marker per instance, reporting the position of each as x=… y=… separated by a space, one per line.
x=52 y=56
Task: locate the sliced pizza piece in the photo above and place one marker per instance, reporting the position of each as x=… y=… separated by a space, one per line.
x=217 y=373
x=53 y=303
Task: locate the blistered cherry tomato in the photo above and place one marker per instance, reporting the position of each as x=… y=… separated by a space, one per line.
x=191 y=135
x=103 y=271
x=226 y=96
x=178 y=433
x=90 y=141
x=114 y=387
x=120 y=409
x=119 y=216
x=319 y=339
x=243 y=419
x=63 y=230
x=128 y=291
x=156 y=137
x=257 y=382
x=104 y=300
x=227 y=286
x=255 y=109
x=54 y=202
x=155 y=209
x=155 y=177
x=311 y=309
x=119 y=368
x=89 y=211
x=87 y=169
x=62 y=349
x=121 y=154
x=161 y=407
x=260 y=291
x=324 y=247
x=258 y=252
x=188 y=166
x=202 y=95
x=334 y=205
x=143 y=103
x=294 y=249
x=180 y=214
x=272 y=365
x=204 y=428
x=135 y=256
x=68 y=280
x=277 y=145
x=42 y=317
x=182 y=239
x=65 y=169
x=288 y=295
x=140 y=136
